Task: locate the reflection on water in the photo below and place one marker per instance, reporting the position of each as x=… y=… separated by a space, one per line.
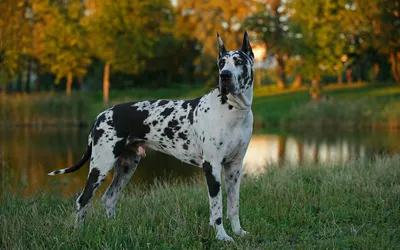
x=29 y=154
x=265 y=150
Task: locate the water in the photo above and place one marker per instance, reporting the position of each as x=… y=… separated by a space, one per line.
x=29 y=154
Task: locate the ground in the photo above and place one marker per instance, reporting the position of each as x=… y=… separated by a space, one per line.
x=349 y=205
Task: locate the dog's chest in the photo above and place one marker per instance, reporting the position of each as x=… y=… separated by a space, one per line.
x=225 y=133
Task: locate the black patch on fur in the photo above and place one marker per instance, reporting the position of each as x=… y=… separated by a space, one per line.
x=193 y=105
x=167 y=112
x=212 y=183
x=185 y=146
x=57 y=172
x=129 y=121
x=169 y=132
x=119 y=147
x=162 y=102
x=154 y=123
x=194 y=162
x=230 y=106
x=126 y=169
x=90 y=186
x=98 y=133
x=218 y=221
x=173 y=123
x=182 y=136
x=223 y=98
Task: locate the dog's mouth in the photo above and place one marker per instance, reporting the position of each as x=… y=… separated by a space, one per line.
x=226 y=88
x=223 y=89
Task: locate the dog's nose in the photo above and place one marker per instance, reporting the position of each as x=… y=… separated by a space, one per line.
x=225 y=75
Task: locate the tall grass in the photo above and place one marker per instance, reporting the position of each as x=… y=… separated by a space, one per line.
x=353 y=114
x=350 y=205
x=43 y=109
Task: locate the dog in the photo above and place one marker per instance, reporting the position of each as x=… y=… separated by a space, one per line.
x=211 y=132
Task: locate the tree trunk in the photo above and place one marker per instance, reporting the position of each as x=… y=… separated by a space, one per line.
x=258 y=78
x=281 y=149
x=395 y=66
x=37 y=73
x=4 y=88
x=300 y=151
x=20 y=84
x=315 y=90
x=28 y=76
x=340 y=77
x=69 y=83
x=376 y=72
x=349 y=71
x=298 y=81
x=281 y=71
x=106 y=82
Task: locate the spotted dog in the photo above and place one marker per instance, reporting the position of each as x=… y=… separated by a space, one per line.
x=211 y=132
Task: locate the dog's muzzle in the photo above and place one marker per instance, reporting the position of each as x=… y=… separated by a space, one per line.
x=226 y=82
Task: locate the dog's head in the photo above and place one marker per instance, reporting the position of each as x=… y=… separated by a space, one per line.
x=235 y=68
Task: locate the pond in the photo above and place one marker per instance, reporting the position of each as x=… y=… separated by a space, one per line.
x=28 y=154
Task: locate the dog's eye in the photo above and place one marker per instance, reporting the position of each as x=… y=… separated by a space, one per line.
x=239 y=63
x=221 y=64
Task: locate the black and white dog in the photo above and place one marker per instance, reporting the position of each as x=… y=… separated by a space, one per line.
x=212 y=132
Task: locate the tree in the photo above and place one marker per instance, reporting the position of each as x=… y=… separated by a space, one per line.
x=319 y=22
x=122 y=33
x=14 y=38
x=378 y=24
x=273 y=26
x=61 y=41
x=201 y=20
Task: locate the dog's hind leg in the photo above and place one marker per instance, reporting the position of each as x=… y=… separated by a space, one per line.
x=100 y=165
x=123 y=171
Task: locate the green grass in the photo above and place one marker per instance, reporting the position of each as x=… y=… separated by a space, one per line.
x=351 y=205
x=279 y=108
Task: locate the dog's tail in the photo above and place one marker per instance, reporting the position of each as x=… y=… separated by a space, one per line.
x=77 y=166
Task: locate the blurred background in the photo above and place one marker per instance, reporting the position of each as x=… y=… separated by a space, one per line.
x=327 y=77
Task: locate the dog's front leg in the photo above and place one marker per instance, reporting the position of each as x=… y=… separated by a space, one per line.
x=213 y=176
x=233 y=176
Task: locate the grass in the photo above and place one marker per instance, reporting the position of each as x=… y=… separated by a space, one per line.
x=295 y=107
x=366 y=104
x=349 y=205
x=42 y=109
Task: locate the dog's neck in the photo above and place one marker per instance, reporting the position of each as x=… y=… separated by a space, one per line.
x=242 y=101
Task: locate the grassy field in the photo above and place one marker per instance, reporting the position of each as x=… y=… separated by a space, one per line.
x=358 y=104
x=351 y=205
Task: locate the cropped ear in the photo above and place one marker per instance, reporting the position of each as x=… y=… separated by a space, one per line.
x=221 y=47
x=246 y=47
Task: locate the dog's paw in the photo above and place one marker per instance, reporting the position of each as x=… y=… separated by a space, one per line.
x=223 y=237
x=241 y=233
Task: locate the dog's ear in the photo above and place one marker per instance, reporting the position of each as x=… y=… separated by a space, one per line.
x=221 y=47
x=246 y=47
